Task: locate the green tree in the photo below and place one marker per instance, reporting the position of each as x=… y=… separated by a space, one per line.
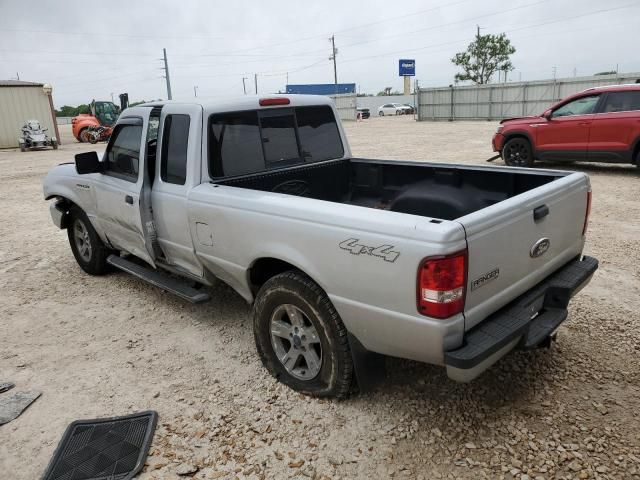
x=483 y=57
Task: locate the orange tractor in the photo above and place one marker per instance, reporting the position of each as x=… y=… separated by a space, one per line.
x=97 y=126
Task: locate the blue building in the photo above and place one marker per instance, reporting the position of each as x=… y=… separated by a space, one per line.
x=322 y=88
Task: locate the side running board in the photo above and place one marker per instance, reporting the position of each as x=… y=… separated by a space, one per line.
x=158 y=279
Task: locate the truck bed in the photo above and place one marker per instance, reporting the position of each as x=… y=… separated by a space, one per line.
x=425 y=189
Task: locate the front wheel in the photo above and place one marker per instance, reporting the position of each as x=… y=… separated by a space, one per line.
x=88 y=250
x=381 y=113
x=517 y=153
x=300 y=337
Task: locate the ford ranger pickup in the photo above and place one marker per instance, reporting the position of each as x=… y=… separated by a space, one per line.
x=344 y=260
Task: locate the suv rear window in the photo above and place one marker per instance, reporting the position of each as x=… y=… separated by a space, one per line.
x=622 y=102
x=247 y=142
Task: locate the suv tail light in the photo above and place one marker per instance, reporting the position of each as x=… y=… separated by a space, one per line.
x=441 y=285
x=587 y=213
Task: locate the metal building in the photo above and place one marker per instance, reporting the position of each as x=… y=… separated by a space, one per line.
x=22 y=101
x=322 y=88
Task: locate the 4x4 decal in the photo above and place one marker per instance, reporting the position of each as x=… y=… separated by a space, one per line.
x=384 y=251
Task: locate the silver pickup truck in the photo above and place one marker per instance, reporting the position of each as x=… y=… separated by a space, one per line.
x=344 y=260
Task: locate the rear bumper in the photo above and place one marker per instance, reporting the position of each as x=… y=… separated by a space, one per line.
x=525 y=322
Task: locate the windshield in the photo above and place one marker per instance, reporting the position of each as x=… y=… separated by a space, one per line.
x=107 y=113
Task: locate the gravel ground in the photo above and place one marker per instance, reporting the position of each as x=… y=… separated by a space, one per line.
x=113 y=345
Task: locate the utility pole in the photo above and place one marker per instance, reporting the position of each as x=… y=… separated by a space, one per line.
x=244 y=87
x=555 y=70
x=255 y=80
x=166 y=73
x=195 y=90
x=334 y=52
x=112 y=100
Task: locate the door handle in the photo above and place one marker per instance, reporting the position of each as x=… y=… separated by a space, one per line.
x=129 y=199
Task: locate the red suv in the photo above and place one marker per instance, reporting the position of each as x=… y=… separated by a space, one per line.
x=597 y=125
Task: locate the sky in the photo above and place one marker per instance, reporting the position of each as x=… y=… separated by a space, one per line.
x=91 y=50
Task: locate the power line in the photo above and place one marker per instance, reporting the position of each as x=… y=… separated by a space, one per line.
x=573 y=17
x=110 y=34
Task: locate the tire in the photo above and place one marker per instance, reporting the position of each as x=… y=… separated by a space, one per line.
x=517 y=153
x=381 y=113
x=22 y=148
x=81 y=135
x=288 y=308
x=54 y=145
x=93 y=259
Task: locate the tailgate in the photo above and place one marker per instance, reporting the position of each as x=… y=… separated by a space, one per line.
x=506 y=244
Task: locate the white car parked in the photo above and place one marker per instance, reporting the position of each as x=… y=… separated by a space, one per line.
x=392 y=109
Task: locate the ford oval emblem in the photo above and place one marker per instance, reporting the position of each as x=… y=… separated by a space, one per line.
x=539 y=248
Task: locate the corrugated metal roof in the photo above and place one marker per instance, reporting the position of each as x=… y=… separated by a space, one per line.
x=19 y=83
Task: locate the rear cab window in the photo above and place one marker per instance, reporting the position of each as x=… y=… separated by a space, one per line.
x=174 y=149
x=252 y=141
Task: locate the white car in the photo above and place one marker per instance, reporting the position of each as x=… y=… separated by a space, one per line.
x=392 y=109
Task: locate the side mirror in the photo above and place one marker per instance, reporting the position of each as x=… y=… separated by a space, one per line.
x=88 y=162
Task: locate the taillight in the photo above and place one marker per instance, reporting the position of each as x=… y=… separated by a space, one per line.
x=587 y=213
x=441 y=285
x=266 y=102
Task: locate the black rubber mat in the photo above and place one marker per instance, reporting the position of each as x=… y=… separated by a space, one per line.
x=103 y=449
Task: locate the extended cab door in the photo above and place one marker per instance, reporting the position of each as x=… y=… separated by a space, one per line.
x=177 y=172
x=565 y=135
x=615 y=127
x=118 y=193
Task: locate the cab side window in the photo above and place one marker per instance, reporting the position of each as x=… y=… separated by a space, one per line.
x=579 y=106
x=123 y=153
x=175 y=137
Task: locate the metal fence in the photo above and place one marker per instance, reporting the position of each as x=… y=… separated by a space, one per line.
x=346 y=105
x=503 y=100
x=63 y=120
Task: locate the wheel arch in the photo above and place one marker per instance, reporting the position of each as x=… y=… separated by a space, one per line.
x=520 y=134
x=67 y=205
x=264 y=268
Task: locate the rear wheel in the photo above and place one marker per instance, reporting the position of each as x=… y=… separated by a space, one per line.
x=300 y=337
x=517 y=153
x=88 y=250
x=54 y=144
